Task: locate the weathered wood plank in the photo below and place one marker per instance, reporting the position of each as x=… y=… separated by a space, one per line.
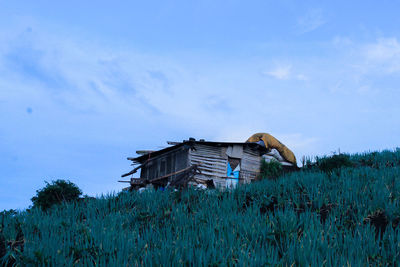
x=214 y=159
x=214 y=174
x=208 y=161
x=212 y=168
x=134 y=170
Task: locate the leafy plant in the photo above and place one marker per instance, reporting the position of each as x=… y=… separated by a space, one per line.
x=56 y=192
x=11 y=251
x=331 y=163
x=271 y=169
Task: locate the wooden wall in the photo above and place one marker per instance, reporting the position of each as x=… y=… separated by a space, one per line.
x=164 y=164
x=251 y=162
x=213 y=163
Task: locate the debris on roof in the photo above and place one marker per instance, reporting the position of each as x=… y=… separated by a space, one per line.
x=206 y=163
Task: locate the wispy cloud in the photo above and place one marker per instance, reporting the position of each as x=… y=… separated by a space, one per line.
x=80 y=100
x=285 y=72
x=383 y=49
x=282 y=72
x=79 y=78
x=302 y=77
x=365 y=68
x=311 y=21
x=383 y=54
x=342 y=41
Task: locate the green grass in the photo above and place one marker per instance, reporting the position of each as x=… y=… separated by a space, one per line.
x=349 y=215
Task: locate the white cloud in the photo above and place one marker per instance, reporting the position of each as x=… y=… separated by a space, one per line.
x=383 y=49
x=284 y=72
x=364 y=68
x=302 y=77
x=74 y=76
x=280 y=72
x=78 y=89
x=383 y=54
x=311 y=21
x=342 y=41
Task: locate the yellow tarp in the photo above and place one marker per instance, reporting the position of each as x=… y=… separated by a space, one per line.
x=271 y=142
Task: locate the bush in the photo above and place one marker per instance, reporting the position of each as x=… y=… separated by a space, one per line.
x=56 y=192
x=271 y=169
x=327 y=164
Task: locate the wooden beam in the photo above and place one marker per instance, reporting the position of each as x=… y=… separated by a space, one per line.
x=144 y=152
x=173 y=143
x=168 y=175
x=134 y=170
x=158 y=178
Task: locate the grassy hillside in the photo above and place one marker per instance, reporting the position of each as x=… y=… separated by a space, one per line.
x=324 y=214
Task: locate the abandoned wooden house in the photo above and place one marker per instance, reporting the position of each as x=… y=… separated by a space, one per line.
x=219 y=164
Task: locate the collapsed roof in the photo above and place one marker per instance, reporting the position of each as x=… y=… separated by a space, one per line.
x=189 y=143
x=224 y=163
x=263 y=141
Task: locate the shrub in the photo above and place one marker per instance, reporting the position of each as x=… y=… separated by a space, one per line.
x=56 y=192
x=271 y=169
x=327 y=164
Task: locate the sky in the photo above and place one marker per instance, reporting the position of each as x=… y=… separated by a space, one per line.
x=84 y=84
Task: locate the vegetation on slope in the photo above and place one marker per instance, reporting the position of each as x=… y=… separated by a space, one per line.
x=56 y=192
x=345 y=215
x=270 y=170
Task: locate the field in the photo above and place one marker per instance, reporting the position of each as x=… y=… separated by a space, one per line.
x=334 y=212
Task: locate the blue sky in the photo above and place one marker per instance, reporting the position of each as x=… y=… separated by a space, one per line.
x=85 y=85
